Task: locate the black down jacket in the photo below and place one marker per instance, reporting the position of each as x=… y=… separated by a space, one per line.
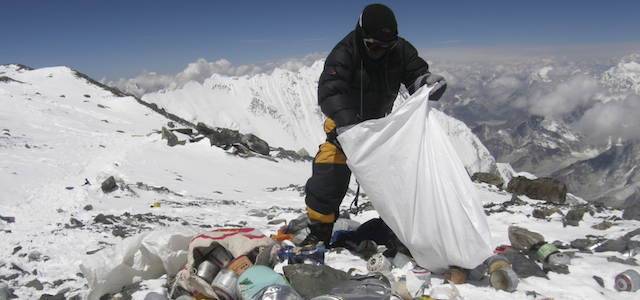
x=353 y=87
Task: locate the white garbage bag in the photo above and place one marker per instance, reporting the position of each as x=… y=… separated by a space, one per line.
x=415 y=180
x=146 y=256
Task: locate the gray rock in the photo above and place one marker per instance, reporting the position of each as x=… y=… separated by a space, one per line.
x=255 y=144
x=582 y=244
x=629 y=261
x=556 y=268
x=632 y=212
x=489 y=178
x=573 y=217
x=523 y=266
x=36 y=284
x=523 y=239
x=545 y=188
x=599 y=280
x=109 y=185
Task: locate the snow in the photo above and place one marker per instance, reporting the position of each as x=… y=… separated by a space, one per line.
x=58 y=132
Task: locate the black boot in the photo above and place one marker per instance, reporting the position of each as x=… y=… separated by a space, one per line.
x=320 y=232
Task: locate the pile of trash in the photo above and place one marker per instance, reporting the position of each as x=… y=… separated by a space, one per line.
x=240 y=263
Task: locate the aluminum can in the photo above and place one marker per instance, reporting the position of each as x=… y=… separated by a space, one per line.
x=381 y=264
x=422 y=274
x=545 y=250
x=207 y=271
x=628 y=281
x=497 y=262
x=559 y=259
x=221 y=257
x=477 y=273
x=225 y=284
x=504 y=279
x=401 y=260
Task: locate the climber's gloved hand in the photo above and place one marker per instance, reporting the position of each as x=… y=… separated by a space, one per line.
x=438 y=83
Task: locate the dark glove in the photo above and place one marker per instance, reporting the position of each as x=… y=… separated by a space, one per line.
x=437 y=82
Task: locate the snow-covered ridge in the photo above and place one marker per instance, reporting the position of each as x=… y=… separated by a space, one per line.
x=282 y=109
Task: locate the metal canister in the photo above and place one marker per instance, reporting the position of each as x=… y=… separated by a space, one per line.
x=455 y=275
x=422 y=274
x=504 y=279
x=545 y=250
x=559 y=259
x=381 y=264
x=378 y=263
x=401 y=260
x=497 y=262
x=628 y=281
x=477 y=273
x=225 y=284
x=221 y=257
x=207 y=271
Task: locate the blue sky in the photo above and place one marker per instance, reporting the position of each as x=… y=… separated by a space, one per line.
x=120 y=39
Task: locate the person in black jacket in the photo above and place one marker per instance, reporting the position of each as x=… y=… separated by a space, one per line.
x=360 y=81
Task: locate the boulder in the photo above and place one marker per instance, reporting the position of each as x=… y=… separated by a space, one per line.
x=109 y=185
x=632 y=212
x=523 y=266
x=523 y=239
x=545 y=188
x=489 y=178
x=573 y=217
x=255 y=144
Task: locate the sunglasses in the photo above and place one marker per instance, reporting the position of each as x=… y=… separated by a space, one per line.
x=378 y=46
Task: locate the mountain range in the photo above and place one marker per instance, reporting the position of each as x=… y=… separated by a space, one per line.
x=507 y=106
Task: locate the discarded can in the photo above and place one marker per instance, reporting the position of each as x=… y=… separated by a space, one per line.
x=207 y=271
x=497 y=262
x=254 y=279
x=477 y=273
x=240 y=264
x=401 y=260
x=504 y=279
x=422 y=274
x=221 y=257
x=559 y=259
x=225 y=284
x=545 y=250
x=455 y=275
x=378 y=263
x=310 y=255
x=628 y=281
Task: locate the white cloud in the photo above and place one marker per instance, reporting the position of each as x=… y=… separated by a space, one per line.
x=200 y=70
x=566 y=97
x=614 y=119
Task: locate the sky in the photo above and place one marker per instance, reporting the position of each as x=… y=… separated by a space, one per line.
x=110 y=40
